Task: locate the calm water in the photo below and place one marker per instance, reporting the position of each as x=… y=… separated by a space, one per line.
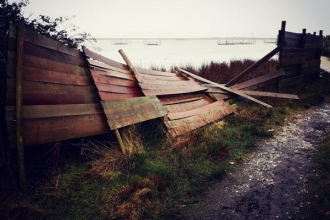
x=173 y=52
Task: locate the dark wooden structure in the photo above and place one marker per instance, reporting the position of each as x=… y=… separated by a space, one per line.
x=301 y=58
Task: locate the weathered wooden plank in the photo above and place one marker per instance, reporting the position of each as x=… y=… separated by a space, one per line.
x=133 y=119
x=99 y=77
x=45 y=130
x=105 y=67
x=42 y=87
x=43 y=41
x=143 y=71
x=271 y=94
x=172 y=91
x=255 y=65
x=220 y=97
x=40 y=75
x=169 y=100
x=121 y=113
x=170 y=82
x=115 y=96
x=181 y=126
x=118 y=89
x=38 y=98
x=184 y=85
x=186 y=106
x=223 y=87
x=34 y=50
x=113 y=114
x=185 y=114
x=47 y=111
x=131 y=66
x=259 y=80
x=46 y=64
x=216 y=90
x=148 y=78
x=129 y=102
x=104 y=59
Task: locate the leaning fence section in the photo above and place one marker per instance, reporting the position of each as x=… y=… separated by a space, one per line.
x=59 y=99
x=300 y=58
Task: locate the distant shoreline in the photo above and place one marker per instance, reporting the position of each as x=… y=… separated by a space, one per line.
x=181 y=39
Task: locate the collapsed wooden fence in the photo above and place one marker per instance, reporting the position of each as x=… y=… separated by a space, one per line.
x=57 y=93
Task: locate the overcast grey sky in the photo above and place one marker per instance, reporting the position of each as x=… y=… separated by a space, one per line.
x=188 y=18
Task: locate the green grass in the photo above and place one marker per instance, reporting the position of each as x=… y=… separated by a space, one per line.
x=163 y=180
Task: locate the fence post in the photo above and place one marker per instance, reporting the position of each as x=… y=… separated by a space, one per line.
x=280 y=40
x=302 y=45
x=19 y=107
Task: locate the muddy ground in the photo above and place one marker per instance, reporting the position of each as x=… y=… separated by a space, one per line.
x=272 y=181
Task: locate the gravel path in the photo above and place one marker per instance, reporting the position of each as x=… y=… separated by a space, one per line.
x=271 y=184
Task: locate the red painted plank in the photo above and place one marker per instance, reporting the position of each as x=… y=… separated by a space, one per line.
x=106 y=66
x=172 y=91
x=39 y=75
x=186 y=106
x=118 y=89
x=116 y=96
x=99 y=77
x=183 y=85
x=200 y=110
x=146 y=78
x=53 y=98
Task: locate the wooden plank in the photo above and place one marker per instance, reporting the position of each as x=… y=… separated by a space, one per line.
x=42 y=52
x=216 y=90
x=121 y=113
x=271 y=94
x=53 y=98
x=45 y=64
x=40 y=75
x=42 y=87
x=181 y=126
x=223 y=87
x=143 y=71
x=99 y=77
x=196 y=111
x=172 y=91
x=104 y=59
x=117 y=74
x=43 y=41
x=220 y=97
x=131 y=66
x=104 y=66
x=115 y=96
x=148 y=78
x=128 y=102
x=117 y=89
x=179 y=99
x=182 y=81
x=259 y=80
x=184 y=85
x=133 y=119
x=255 y=65
x=186 y=106
x=117 y=113
x=47 y=111
x=45 y=130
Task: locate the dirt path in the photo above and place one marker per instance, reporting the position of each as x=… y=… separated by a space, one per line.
x=272 y=182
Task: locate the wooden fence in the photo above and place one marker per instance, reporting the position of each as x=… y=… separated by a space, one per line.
x=56 y=93
x=300 y=58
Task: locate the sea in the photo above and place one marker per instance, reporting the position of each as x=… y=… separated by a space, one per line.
x=167 y=53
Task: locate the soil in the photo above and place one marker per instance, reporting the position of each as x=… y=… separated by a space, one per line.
x=272 y=181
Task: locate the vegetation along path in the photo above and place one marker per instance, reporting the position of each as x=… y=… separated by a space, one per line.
x=272 y=181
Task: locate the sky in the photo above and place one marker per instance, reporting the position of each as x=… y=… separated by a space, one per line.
x=188 y=18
